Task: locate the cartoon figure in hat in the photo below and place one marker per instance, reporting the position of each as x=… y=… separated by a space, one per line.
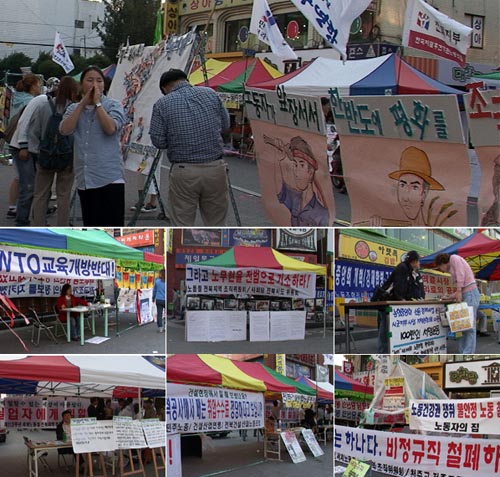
x=492 y=216
x=296 y=186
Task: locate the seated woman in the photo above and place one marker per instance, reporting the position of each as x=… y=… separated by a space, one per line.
x=68 y=300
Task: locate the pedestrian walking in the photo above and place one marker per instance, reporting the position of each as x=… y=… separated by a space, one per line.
x=159 y=292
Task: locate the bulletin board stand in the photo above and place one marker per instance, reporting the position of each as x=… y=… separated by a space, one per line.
x=136 y=468
x=89 y=466
x=158 y=460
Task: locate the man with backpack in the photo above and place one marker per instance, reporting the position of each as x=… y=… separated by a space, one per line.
x=52 y=153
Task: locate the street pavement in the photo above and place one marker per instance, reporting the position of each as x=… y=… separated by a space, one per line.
x=13 y=456
x=313 y=343
x=143 y=339
x=233 y=457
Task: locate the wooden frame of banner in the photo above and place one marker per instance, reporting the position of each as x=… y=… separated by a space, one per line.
x=89 y=469
x=161 y=455
x=133 y=469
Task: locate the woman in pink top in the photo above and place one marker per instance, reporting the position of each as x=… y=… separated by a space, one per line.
x=467 y=291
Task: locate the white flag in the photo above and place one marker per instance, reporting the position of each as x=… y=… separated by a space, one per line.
x=332 y=19
x=60 y=55
x=428 y=29
x=264 y=25
x=328 y=360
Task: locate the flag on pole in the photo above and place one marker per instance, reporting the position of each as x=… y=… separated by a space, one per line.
x=264 y=25
x=332 y=19
x=158 y=27
x=60 y=55
x=429 y=30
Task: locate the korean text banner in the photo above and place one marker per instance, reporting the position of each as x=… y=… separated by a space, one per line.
x=251 y=281
x=399 y=454
x=461 y=416
x=46 y=263
x=19 y=286
x=396 y=156
x=483 y=113
x=209 y=409
x=429 y=30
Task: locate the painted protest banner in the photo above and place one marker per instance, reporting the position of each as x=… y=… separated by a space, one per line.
x=461 y=416
x=21 y=286
x=348 y=410
x=296 y=400
x=288 y=325
x=259 y=325
x=460 y=317
x=154 y=432
x=356 y=468
x=47 y=263
x=208 y=409
x=91 y=435
x=174 y=463
x=293 y=447
x=399 y=454
x=37 y=412
x=128 y=433
x=301 y=239
x=483 y=113
x=417 y=329
x=293 y=169
x=216 y=325
x=135 y=85
x=396 y=156
x=204 y=280
x=427 y=29
x=312 y=443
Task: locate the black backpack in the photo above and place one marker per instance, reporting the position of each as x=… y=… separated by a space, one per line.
x=56 y=150
x=383 y=292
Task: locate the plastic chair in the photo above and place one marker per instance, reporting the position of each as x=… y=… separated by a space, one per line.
x=39 y=326
x=59 y=323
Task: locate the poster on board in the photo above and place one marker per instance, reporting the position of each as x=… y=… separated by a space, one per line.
x=128 y=433
x=396 y=156
x=259 y=325
x=288 y=325
x=174 y=463
x=154 y=432
x=91 y=435
x=312 y=443
x=293 y=447
x=216 y=325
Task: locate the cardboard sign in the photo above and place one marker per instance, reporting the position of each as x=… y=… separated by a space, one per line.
x=174 y=463
x=356 y=468
x=288 y=325
x=207 y=409
x=128 y=433
x=312 y=443
x=293 y=447
x=259 y=325
x=460 y=317
x=296 y=400
x=416 y=329
x=216 y=325
x=154 y=432
x=91 y=435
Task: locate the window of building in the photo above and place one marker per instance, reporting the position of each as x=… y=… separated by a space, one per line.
x=94 y=25
x=79 y=24
x=236 y=33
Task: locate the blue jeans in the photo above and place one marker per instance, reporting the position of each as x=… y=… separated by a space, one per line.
x=467 y=343
x=75 y=326
x=160 y=306
x=26 y=170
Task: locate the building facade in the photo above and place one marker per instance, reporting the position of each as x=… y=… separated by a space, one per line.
x=30 y=28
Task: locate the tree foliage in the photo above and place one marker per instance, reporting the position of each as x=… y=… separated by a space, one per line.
x=14 y=62
x=127 y=19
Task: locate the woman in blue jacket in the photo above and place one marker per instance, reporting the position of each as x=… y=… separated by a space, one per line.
x=159 y=291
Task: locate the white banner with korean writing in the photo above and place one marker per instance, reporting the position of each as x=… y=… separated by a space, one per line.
x=429 y=30
x=21 y=286
x=36 y=412
x=209 y=409
x=91 y=435
x=251 y=281
x=417 y=329
x=47 y=263
x=461 y=416
x=400 y=454
x=297 y=400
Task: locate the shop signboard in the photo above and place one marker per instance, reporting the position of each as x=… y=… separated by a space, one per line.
x=193 y=255
x=138 y=239
x=363 y=250
x=301 y=239
x=397 y=454
x=483 y=374
x=246 y=237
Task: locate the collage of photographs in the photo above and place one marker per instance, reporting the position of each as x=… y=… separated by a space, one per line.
x=249 y=238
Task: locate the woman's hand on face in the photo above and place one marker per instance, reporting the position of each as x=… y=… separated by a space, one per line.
x=96 y=97
x=88 y=98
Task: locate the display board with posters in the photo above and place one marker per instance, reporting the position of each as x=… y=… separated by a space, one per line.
x=293 y=447
x=36 y=412
x=90 y=435
x=417 y=329
x=396 y=156
x=135 y=85
x=461 y=416
x=193 y=409
x=396 y=454
x=174 y=463
x=290 y=144
x=483 y=114
x=216 y=325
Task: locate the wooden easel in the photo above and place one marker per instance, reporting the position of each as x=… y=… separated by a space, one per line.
x=89 y=469
x=158 y=465
x=135 y=468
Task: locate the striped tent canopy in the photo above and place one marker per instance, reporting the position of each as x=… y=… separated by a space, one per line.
x=323 y=390
x=346 y=387
x=212 y=370
x=226 y=77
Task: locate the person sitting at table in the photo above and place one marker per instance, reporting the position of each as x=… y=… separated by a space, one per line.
x=63 y=434
x=68 y=300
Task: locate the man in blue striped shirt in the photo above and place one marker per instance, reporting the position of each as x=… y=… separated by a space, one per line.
x=188 y=122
